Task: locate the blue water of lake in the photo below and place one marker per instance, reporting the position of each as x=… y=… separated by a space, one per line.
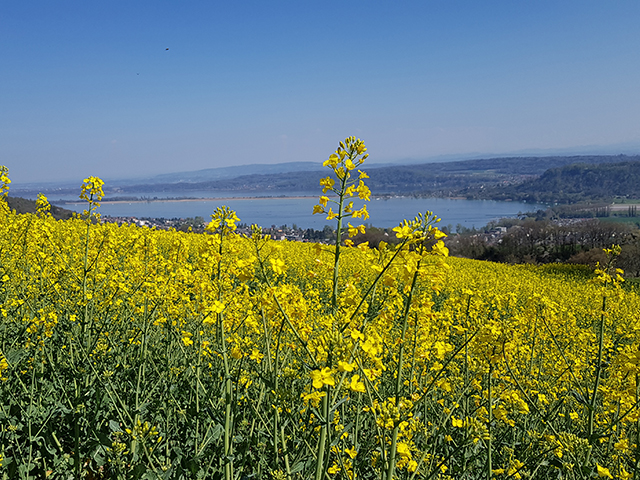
x=268 y=211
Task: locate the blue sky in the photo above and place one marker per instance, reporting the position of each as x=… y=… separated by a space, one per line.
x=88 y=88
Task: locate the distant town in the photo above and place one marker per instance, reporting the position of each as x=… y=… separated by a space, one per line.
x=197 y=225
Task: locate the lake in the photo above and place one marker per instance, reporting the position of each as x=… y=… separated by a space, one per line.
x=267 y=211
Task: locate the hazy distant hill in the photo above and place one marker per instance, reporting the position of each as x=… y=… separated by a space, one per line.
x=467 y=177
x=220 y=173
x=429 y=178
x=196 y=176
x=525 y=165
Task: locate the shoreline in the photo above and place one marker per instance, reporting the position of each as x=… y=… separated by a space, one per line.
x=177 y=200
x=214 y=199
x=612 y=206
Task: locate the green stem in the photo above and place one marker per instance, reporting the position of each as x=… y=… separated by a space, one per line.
x=466 y=374
x=83 y=342
x=592 y=403
x=228 y=386
x=489 y=442
x=30 y=413
x=228 y=398
x=399 y=378
x=286 y=453
x=198 y=373
x=84 y=282
x=637 y=453
x=323 y=438
x=336 y=260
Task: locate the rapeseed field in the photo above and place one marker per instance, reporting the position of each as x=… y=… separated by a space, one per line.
x=129 y=352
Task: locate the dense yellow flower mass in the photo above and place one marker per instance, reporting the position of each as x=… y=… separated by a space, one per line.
x=128 y=351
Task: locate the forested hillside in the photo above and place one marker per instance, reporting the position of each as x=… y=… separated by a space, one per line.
x=23 y=205
x=571 y=184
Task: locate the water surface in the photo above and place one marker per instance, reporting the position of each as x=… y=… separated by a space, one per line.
x=279 y=211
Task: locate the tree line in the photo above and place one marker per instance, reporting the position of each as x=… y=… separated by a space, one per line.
x=570 y=184
x=548 y=241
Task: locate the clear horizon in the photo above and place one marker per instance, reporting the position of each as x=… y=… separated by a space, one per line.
x=125 y=89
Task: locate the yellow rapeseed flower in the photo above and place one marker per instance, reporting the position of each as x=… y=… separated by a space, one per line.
x=332 y=161
x=4 y=181
x=356 y=385
x=92 y=190
x=403 y=450
x=327 y=184
x=322 y=377
x=277 y=265
x=345 y=366
x=603 y=472
x=4 y=365
x=363 y=191
x=352 y=452
x=403 y=231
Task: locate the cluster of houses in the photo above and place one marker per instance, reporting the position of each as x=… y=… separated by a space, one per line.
x=198 y=224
